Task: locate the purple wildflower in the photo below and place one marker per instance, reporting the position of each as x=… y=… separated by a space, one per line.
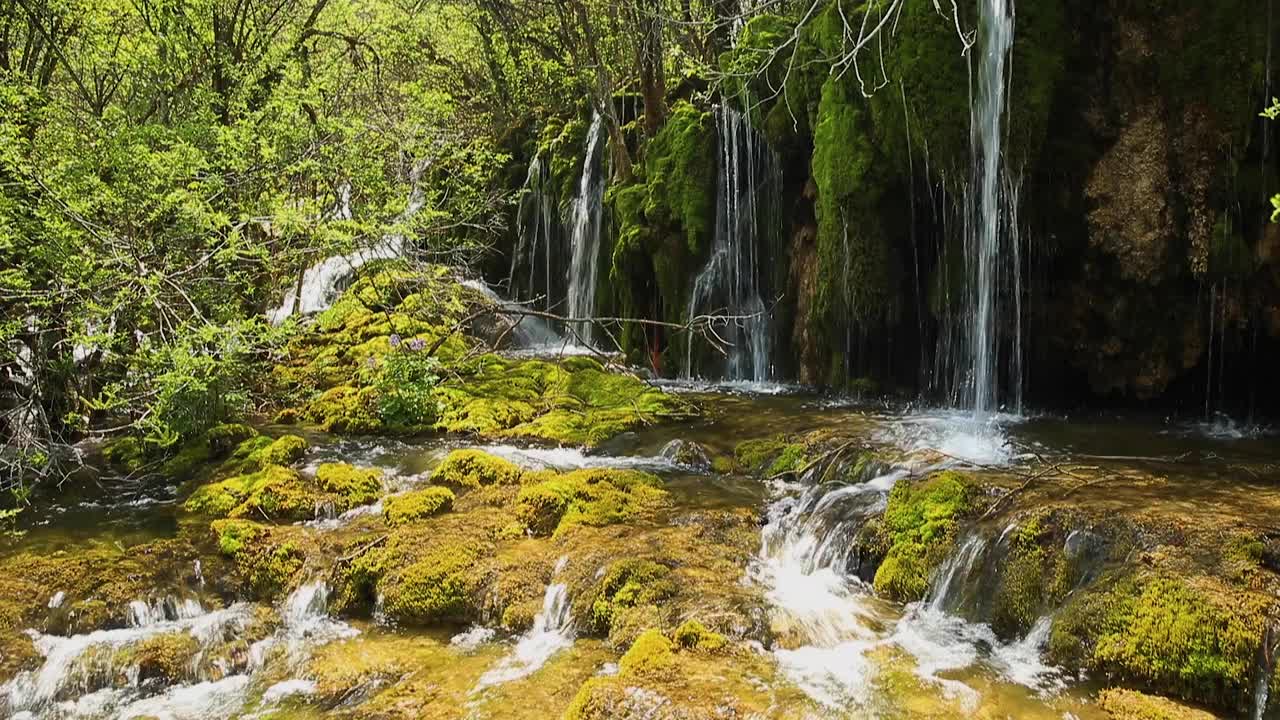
x=417 y=344
x=395 y=340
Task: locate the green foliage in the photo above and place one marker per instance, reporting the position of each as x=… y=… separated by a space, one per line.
x=404 y=389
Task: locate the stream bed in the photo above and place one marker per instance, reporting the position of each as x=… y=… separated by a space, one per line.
x=825 y=644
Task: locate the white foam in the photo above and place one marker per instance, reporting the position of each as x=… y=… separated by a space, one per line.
x=575 y=459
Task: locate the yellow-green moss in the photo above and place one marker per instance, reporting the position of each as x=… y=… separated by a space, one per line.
x=693 y=635
x=772 y=456
x=267 y=565
x=919 y=526
x=1121 y=704
x=1036 y=576
x=345 y=409
x=652 y=652
x=1193 y=638
x=352 y=486
x=417 y=504
x=474 y=468
x=629 y=584
x=436 y=588
x=593 y=496
x=274 y=492
x=166 y=657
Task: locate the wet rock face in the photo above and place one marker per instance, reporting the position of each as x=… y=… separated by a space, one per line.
x=1131 y=219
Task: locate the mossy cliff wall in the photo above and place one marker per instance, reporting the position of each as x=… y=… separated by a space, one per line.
x=1132 y=143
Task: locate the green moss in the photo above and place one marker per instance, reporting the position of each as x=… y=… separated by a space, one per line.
x=126 y=453
x=1121 y=704
x=592 y=497
x=474 y=468
x=651 y=653
x=1036 y=576
x=267 y=564
x=286 y=450
x=919 y=529
x=345 y=409
x=437 y=587
x=693 y=635
x=415 y=505
x=351 y=486
x=628 y=584
x=791 y=459
x=753 y=455
x=275 y=492
x=166 y=657
x=1188 y=637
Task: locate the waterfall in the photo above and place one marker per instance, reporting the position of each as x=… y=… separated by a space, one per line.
x=731 y=281
x=538 y=244
x=991 y=238
x=323 y=282
x=584 y=239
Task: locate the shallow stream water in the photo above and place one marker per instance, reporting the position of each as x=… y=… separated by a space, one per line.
x=840 y=651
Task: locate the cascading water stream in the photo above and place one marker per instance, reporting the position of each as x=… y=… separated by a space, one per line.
x=584 y=239
x=552 y=632
x=323 y=282
x=538 y=245
x=809 y=569
x=731 y=282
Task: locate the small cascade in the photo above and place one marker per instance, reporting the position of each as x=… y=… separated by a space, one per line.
x=733 y=281
x=552 y=632
x=529 y=332
x=950 y=579
x=586 y=229
x=538 y=247
x=323 y=282
x=97 y=669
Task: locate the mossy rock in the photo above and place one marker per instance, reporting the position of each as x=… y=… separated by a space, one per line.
x=770 y=456
x=275 y=493
x=268 y=560
x=593 y=497
x=474 y=468
x=693 y=635
x=438 y=587
x=350 y=485
x=919 y=529
x=165 y=657
x=417 y=504
x=628 y=584
x=1036 y=575
x=1121 y=704
x=1191 y=637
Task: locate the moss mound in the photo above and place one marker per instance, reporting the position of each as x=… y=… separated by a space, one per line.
x=919 y=529
x=1122 y=704
x=1192 y=637
x=418 y=504
x=438 y=587
x=575 y=402
x=595 y=497
x=474 y=468
x=268 y=559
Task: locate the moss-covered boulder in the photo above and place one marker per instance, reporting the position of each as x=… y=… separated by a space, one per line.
x=552 y=504
x=473 y=469
x=919 y=530
x=1193 y=637
x=349 y=486
x=268 y=559
x=439 y=586
x=1121 y=704
x=771 y=456
x=417 y=504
